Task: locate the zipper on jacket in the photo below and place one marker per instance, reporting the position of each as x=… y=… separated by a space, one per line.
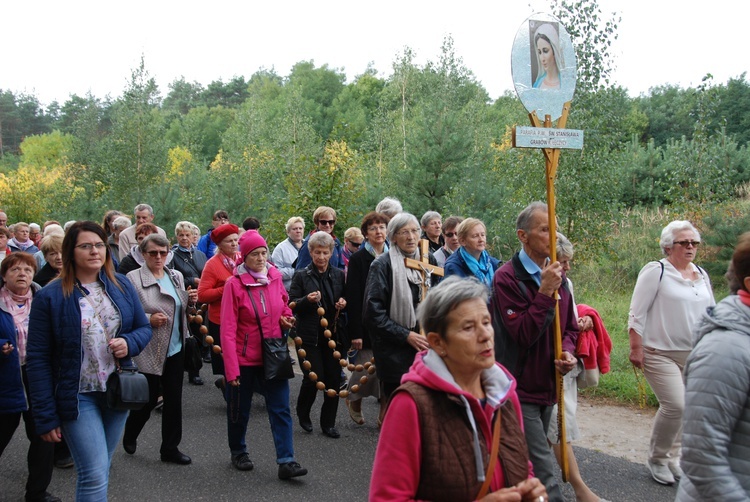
x=263 y=302
x=244 y=347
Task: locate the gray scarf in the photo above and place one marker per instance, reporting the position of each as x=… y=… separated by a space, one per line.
x=402 y=303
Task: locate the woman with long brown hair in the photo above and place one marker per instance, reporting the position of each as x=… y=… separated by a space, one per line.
x=79 y=325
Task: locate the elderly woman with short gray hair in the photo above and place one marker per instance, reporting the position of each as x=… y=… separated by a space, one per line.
x=165 y=301
x=119 y=224
x=669 y=297
x=319 y=285
x=432 y=230
x=455 y=409
x=392 y=294
x=285 y=254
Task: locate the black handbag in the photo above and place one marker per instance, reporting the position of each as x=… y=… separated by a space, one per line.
x=193 y=360
x=277 y=363
x=127 y=389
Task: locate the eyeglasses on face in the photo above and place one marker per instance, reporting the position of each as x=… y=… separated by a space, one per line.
x=450 y=235
x=355 y=244
x=155 y=253
x=327 y=222
x=685 y=244
x=404 y=233
x=87 y=246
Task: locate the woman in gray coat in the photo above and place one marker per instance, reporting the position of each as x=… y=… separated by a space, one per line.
x=716 y=423
x=163 y=296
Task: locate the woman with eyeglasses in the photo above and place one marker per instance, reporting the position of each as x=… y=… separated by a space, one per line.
x=392 y=294
x=450 y=236
x=669 y=298
x=353 y=239
x=163 y=296
x=79 y=325
x=324 y=219
x=134 y=259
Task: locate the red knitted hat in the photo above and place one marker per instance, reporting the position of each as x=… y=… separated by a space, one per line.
x=222 y=231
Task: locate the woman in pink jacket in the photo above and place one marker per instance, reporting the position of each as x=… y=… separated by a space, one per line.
x=254 y=299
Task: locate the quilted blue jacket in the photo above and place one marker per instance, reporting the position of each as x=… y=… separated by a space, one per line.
x=54 y=352
x=12 y=394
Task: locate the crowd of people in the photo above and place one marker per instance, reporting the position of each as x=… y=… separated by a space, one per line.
x=462 y=343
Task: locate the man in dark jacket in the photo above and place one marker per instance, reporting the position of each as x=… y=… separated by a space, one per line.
x=523 y=310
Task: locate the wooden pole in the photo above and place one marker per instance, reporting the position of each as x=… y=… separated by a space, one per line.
x=551 y=159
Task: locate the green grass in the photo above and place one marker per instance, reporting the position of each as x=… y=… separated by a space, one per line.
x=620 y=384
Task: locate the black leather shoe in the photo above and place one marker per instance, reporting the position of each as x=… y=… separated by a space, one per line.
x=196 y=380
x=291 y=470
x=48 y=497
x=129 y=446
x=176 y=457
x=220 y=384
x=242 y=462
x=306 y=424
x=64 y=462
x=331 y=432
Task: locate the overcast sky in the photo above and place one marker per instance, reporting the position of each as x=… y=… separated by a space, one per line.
x=55 y=49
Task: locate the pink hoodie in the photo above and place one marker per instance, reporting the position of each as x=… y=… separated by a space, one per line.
x=240 y=337
x=396 y=471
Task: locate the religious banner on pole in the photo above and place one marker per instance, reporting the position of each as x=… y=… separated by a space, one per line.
x=543 y=62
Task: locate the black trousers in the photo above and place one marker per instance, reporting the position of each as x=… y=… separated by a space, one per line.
x=217 y=360
x=40 y=456
x=329 y=371
x=169 y=386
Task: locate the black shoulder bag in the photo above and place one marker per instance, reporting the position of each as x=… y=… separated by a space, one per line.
x=127 y=389
x=277 y=363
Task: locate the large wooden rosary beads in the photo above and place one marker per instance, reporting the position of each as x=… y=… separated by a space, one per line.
x=195 y=315
x=306 y=365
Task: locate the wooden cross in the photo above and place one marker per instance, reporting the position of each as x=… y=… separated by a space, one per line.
x=424 y=266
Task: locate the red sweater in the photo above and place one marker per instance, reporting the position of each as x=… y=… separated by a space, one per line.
x=211 y=287
x=594 y=346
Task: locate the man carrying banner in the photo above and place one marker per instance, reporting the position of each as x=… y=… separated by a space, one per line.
x=523 y=309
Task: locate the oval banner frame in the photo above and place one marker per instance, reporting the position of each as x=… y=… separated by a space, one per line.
x=531 y=82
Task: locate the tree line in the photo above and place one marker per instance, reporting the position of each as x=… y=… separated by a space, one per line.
x=273 y=146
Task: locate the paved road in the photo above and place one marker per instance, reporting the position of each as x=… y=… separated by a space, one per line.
x=339 y=468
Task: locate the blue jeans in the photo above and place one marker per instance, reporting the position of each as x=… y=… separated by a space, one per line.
x=239 y=400
x=92 y=440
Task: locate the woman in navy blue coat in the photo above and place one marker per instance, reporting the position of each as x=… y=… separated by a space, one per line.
x=79 y=324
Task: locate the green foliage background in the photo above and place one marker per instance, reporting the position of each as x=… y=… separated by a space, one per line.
x=275 y=146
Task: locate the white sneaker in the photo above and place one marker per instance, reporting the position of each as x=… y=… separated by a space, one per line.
x=674 y=467
x=661 y=473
